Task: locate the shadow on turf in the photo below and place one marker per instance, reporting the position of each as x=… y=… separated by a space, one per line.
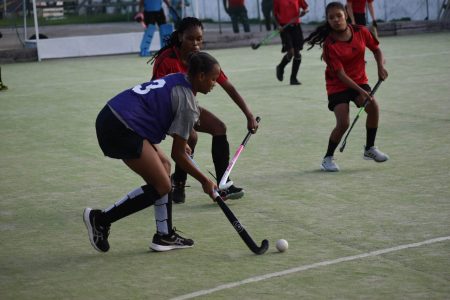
x=320 y=172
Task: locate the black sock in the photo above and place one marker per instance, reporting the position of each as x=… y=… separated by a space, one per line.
x=220 y=154
x=284 y=61
x=180 y=175
x=331 y=148
x=370 y=138
x=295 y=67
x=134 y=201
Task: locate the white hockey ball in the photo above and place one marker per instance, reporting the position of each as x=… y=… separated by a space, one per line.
x=282 y=245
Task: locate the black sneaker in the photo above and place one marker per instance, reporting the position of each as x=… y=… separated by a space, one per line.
x=170 y=241
x=232 y=192
x=294 y=81
x=280 y=73
x=98 y=234
x=178 y=194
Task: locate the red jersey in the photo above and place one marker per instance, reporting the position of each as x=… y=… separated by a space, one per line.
x=349 y=56
x=359 y=6
x=169 y=62
x=235 y=3
x=287 y=10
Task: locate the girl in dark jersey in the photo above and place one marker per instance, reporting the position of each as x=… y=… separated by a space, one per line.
x=346 y=80
x=188 y=38
x=131 y=126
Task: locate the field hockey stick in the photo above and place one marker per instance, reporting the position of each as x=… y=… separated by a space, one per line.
x=265 y=39
x=271 y=35
x=344 y=142
x=173 y=12
x=240 y=229
x=223 y=184
x=236 y=224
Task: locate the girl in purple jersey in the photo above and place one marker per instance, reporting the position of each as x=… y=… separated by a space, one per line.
x=131 y=126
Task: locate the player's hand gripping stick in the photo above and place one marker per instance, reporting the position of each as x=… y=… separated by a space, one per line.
x=223 y=184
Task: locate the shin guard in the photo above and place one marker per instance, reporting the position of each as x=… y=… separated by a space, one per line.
x=165 y=30
x=163 y=215
x=147 y=40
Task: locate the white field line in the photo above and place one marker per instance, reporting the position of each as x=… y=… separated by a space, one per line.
x=308 y=267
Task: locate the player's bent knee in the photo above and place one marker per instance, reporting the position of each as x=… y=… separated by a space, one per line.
x=219 y=128
x=164 y=187
x=166 y=163
x=372 y=107
x=167 y=166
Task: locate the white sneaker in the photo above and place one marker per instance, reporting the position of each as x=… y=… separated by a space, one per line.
x=374 y=154
x=329 y=165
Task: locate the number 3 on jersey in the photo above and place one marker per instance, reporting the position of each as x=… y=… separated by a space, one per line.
x=143 y=89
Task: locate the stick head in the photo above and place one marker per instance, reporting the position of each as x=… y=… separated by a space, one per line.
x=255 y=46
x=263 y=248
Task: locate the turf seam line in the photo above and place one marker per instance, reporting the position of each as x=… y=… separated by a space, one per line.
x=308 y=267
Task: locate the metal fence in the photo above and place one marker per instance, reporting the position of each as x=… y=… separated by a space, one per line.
x=386 y=10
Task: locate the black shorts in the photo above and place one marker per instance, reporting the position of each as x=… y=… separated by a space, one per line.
x=292 y=38
x=360 y=19
x=345 y=96
x=154 y=17
x=115 y=139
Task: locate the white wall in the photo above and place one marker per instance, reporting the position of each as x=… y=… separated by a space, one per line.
x=384 y=9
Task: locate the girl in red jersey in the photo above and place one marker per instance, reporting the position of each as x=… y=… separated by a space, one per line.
x=172 y=58
x=346 y=80
x=238 y=13
x=287 y=12
x=357 y=11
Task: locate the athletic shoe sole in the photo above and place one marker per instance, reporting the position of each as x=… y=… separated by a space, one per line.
x=328 y=170
x=371 y=158
x=234 y=196
x=161 y=248
x=87 y=222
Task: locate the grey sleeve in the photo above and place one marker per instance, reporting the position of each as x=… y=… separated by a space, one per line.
x=186 y=111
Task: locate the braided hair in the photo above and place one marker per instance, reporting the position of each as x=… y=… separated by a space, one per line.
x=200 y=62
x=173 y=40
x=318 y=36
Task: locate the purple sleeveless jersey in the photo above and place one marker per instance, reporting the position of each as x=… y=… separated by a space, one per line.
x=147 y=108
